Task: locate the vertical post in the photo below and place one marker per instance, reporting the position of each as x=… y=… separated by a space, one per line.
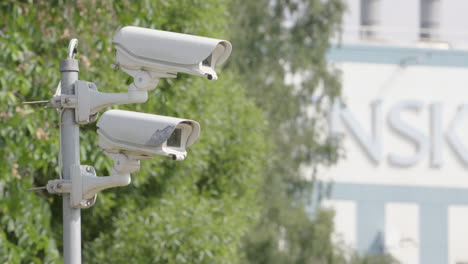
x=70 y=151
x=370 y=18
x=429 y=21
x=433 y=230
x=370 y=227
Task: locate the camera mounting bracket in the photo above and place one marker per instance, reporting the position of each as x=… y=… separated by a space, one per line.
x=88 y=101
x=84 y=184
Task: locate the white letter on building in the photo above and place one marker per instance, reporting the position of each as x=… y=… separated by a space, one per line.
x=437 y=136
x=370 y=143
x=408 y=132
x=452 y=137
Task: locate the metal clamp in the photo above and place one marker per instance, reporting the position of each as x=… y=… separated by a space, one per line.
x=63 y=101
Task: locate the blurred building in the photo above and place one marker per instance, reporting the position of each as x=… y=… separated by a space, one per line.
x=402 y=185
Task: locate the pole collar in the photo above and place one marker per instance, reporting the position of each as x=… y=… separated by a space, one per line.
x=69 y=65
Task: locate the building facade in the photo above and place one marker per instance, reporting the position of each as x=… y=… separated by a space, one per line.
x=401 y=186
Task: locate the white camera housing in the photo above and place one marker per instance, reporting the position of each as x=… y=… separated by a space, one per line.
x=164 y=53
x=147 y=55
x=144 y=135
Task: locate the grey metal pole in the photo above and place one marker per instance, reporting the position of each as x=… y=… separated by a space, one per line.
x=429 y=21
x=370 y=18
x=70 y=151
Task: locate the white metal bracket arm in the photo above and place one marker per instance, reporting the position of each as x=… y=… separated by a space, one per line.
x=84 y=184
x=88 y=101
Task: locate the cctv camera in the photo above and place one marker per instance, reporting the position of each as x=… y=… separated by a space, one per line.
x=143 y=135
x=147 y=55
x=127 y=137
x=164 y=54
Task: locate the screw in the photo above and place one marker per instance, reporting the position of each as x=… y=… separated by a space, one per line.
x=88 y=169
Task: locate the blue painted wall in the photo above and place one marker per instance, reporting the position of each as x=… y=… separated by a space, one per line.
x=398 y=55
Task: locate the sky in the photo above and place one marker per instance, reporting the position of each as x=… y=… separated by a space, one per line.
x=400 y=19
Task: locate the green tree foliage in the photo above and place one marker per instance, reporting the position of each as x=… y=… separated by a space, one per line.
x=194 y=211
x=281 y=48
x=281 y=53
